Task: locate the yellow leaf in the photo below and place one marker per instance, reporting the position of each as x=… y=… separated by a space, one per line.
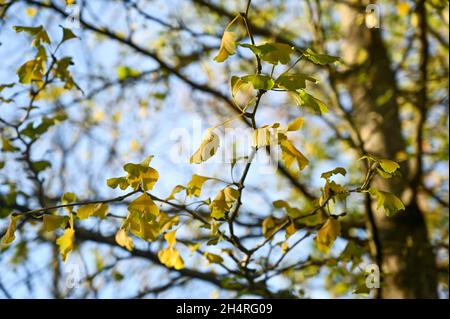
x=166 y=222
x=327 y=234
x=170 y=238
x=213 y=258
x=146 y=179
x=175 y=191
x=194 y=247
x=65 y=243
x=68 y=198
x=124 y=240
x=296 y=124
x=289 y=153
x=227 y=46
x=207 y=149
x=194 y=187
x=53 y=222
x=144 y=204
x=268 y=227
x=290 y=230
x=284 y=247
x=223 y=202
x=9 y=236
x=98 y=210
x=171 y=258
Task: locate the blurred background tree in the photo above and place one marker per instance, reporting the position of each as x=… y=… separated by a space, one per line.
x=142 y=79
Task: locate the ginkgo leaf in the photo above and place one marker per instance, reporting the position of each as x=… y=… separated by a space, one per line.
x=304 y=99
x=170 y=237
x=391 y=203
x=122 y=182
x=290 y=153
x=227 y=46
x=207 y=149
x=223 y=202
x=265 y=135
x=259 y=81
x=98 y=210
x=53 y=222
x=290 y=230
x=65 y=243
x=337 y=170
x=177 y=189
x=171 y=258
x=166 y=222
x=143 y=204
x=68 y=198
x=125 y=72
x=273 y=52
x=293 y=82
x=39 y=34
x=213 y=258
x=147 y=179
x=268 y=227
x=67 y=35
x=388 y=166
x=9 y=236
x=327 y=234
x=296 y=124
x=194 y=187
x=292 y=212
x=238 y=84
x=321 y=59
x=124 y=240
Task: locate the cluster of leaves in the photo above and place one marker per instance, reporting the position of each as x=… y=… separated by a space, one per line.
x=146 y=221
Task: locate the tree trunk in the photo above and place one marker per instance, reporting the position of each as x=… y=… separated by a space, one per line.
x=406 y=258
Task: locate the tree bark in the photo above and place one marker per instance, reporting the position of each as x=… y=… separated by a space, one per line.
x=406 y=258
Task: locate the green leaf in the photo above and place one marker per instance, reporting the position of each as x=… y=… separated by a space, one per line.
x=124 y=72
x=304 y=99
x=293 y=82
x=259 y=81
x=67 y=35
x=227 y=46
x=337 y=170
x=321 y=59
x=39 y=34
x=273 y=53
x=388 y=166
x=391 y=203
x=213 y=258
x=39 y=166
